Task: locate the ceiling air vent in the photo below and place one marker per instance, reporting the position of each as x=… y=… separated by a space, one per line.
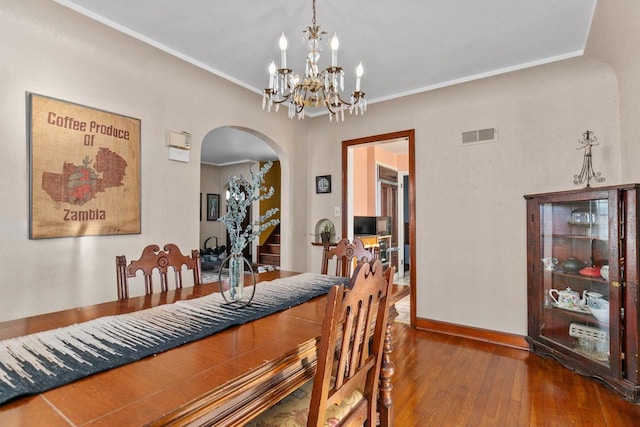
x=480 y=135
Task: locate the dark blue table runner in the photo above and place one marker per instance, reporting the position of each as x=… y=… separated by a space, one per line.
x=38 y=362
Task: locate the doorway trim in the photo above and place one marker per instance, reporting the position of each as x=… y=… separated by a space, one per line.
x=401 y=235
x=409 y=134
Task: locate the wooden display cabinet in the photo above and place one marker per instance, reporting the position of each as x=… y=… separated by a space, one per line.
x=585 y=230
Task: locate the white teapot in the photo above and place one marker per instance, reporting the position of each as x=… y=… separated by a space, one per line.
x=566 y=298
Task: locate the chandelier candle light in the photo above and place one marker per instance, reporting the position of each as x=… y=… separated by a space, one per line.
x=316 y=88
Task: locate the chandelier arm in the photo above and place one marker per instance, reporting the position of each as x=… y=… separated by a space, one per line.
x=329 y=107
x=281 y=101
x=350 y=104
x=284 y=98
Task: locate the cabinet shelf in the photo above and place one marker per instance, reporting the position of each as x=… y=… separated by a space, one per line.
x=571 y=236
x=576 y=316
x=579 y=276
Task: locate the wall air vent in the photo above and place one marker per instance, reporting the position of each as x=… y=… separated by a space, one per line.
x=480 y=136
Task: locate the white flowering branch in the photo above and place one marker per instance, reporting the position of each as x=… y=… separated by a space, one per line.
x=242 y=194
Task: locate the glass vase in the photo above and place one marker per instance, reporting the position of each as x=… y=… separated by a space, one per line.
x=236 y=276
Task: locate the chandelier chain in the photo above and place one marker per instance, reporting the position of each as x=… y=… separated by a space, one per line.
x=313 y=20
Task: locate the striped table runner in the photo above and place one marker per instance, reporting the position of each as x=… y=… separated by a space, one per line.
x=38 y=362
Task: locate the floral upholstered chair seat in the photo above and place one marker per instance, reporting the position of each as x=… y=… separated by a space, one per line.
x=293 y=410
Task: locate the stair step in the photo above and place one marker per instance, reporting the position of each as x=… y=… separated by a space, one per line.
x=270 y=248
x=266 y=254
x=269 y=252
x=271 y=259
x=274 y=238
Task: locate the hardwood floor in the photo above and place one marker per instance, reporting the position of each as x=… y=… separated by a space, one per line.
x=443 y=380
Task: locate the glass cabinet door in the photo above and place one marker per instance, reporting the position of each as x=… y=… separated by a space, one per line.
x=575 y=299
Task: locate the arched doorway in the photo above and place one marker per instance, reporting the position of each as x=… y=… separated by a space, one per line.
x=226 y=151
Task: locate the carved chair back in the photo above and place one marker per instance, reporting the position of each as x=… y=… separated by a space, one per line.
x=351 y=346
x=153 y=258
x=345 y=389
x=346 y=255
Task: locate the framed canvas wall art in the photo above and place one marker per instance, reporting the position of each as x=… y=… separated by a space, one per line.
x=213 y=207
x=84 y=166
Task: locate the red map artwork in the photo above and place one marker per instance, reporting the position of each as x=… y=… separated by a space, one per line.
x=79 y=184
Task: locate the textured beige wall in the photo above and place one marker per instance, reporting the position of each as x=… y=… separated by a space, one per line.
x=614 y=38
x=471 y=230
x=211 y=182
x=51 y=50
x=402 y=162
x=365 y=183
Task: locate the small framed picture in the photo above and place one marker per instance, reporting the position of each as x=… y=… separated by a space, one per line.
x=213 y=207
x=323 y=184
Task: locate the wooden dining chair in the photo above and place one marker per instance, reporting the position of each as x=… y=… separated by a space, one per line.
x=153 y=258
x=346 y=255
x=344 y=390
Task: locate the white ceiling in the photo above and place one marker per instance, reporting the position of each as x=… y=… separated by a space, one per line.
x=406 y=47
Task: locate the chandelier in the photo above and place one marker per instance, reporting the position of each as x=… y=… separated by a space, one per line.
x=316 y=88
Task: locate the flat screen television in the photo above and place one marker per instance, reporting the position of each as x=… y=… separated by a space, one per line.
x=364 y=225
x=371 y=225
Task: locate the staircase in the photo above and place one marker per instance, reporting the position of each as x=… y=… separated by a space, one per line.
x=269 y=253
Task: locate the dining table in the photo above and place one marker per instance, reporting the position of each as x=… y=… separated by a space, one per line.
x=223 y=379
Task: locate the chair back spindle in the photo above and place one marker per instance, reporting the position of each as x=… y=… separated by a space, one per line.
x=351 y=346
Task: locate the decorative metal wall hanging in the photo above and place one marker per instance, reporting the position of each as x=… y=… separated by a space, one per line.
x=587 y=173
